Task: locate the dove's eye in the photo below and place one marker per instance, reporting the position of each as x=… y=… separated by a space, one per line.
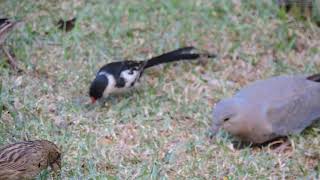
x=226 y=119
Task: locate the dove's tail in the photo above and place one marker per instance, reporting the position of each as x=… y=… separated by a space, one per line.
x=314 y=77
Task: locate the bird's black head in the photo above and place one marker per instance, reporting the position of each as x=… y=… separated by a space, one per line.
x=97 y=87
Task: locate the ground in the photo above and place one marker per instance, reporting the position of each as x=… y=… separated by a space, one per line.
x=160 y=130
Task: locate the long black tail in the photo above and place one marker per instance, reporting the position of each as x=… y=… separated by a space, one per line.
x=185 y=53
x=314 y=77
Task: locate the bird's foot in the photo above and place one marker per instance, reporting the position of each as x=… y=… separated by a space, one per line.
x=280 y=146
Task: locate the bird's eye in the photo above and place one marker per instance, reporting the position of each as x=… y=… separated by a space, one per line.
x=226 y=119
x=130 y=72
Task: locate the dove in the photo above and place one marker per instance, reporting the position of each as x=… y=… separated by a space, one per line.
x=269 y=109
x=25 y=160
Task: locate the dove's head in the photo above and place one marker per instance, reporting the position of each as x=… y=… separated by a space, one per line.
x=227 y=114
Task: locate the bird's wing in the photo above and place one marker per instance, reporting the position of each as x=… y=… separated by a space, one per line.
x=9 y=173
x=21 y=166
x=292 y=115
x=13 y=170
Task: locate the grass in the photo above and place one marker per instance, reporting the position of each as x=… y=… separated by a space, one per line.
x=159 y=131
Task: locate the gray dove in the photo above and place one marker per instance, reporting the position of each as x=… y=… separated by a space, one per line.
x=271 y=108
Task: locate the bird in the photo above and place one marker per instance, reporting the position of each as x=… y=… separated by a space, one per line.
x=123 y=75
x=269 y=109
x=25 y=160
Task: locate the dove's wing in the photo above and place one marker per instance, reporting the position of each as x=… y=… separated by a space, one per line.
x=294 y=113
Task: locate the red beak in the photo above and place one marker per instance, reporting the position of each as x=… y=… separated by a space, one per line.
x=93 y=100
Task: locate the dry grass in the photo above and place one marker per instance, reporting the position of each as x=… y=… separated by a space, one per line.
x=159 y=131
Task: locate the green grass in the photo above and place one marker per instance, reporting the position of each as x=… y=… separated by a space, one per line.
x=160 y=130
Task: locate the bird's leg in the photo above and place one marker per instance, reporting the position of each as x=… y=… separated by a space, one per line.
x=56 y=168
x=280 y=146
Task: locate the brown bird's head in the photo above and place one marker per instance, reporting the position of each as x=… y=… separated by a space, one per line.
x=54 y=155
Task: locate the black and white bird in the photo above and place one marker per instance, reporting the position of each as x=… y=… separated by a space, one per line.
x=123 y=75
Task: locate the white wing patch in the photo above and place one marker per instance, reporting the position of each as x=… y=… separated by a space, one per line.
x=130 y=76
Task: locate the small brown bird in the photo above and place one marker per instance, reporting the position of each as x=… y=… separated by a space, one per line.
x=25 y=160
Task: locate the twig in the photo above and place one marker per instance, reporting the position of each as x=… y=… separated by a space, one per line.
x=1 y=104
x=11 y=60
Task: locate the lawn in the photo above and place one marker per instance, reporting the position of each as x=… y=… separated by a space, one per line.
x=159 y=130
